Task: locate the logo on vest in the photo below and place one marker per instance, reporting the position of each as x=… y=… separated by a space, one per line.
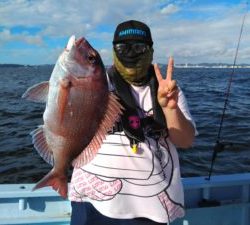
x=134 y=122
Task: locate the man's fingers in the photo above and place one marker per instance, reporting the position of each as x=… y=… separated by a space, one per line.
x=169 y=73
x=157 y=72
x=172 y=85
x=172 y=93
x=170 y=69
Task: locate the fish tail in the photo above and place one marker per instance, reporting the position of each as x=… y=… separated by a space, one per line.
x=58 y=182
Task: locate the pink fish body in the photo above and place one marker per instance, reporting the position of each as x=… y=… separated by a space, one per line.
x=79 y=112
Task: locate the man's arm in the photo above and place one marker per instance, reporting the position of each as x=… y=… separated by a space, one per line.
x=181 y=130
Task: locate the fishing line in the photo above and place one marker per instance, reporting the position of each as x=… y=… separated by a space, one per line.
x=219 y=146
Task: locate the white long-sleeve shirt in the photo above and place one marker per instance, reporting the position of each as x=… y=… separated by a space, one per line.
x=122 y=184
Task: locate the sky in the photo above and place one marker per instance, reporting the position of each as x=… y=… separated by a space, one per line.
x=35 y=32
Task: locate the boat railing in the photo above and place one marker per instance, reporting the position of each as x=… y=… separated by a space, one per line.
x=224 y=199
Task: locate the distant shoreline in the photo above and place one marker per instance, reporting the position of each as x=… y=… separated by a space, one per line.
x=213 y=66
x=188 y=65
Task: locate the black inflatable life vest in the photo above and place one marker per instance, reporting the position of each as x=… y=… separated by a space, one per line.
x=153 y=125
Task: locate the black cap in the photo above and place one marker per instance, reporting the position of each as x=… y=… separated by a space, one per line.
x=132 y=30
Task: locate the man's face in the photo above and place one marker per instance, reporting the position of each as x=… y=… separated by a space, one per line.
x=130 y=52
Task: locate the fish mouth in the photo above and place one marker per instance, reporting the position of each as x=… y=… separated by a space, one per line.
x=80 y=41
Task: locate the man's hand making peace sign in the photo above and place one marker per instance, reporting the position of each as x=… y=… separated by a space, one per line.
x=167 y=90
x=181 y=131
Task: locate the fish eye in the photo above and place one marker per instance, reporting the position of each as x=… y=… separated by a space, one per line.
x=91 y=58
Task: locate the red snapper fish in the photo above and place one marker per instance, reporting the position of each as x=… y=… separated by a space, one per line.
x=79 y=112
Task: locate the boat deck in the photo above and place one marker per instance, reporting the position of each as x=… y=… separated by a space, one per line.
x=224 y=200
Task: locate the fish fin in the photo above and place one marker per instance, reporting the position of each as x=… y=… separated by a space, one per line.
x=58 y=183
x=112 y=115
x=40 y=144
x=38 y=92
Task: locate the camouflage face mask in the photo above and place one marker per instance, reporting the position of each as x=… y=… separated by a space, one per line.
x=136 y=75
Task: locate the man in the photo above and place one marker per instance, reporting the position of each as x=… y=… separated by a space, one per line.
x=135 y=177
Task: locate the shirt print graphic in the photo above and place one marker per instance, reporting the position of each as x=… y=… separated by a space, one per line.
x=118 y=171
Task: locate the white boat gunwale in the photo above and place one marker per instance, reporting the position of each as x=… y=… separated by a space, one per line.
x=20 y=205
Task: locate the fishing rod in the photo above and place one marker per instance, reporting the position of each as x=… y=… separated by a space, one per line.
x=219 y=146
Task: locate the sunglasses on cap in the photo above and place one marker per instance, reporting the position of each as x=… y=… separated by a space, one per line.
x=136 y=47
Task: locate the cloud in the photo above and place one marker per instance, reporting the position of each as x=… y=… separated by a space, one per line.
x=7 y=36
x=169 y=9
x=106 y=55
x=211 y=38
x=187 y=29
x=29 y=56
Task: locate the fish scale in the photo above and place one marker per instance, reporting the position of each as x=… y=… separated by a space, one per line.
x=79 y=112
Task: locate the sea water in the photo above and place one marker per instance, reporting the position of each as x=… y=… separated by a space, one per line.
x=204 y=89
